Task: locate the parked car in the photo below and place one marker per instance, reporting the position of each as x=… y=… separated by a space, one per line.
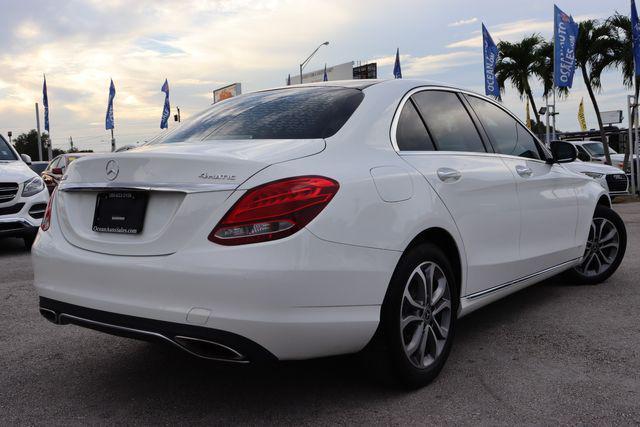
x=39 y=167
x=321 y=219
x=593 y=151
x=611 y=178
x=57 y=167
x=22 y=196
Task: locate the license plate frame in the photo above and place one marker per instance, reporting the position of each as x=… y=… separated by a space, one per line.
x=120 y=212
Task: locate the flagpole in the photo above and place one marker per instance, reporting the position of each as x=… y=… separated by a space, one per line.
x=553 y=117
x=38 y=128
x=113 y=142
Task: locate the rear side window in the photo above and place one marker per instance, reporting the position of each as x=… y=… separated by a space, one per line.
x=448 y=121
x=411 y=135
x=507 y=135
x=6 y=153
x=292 y=113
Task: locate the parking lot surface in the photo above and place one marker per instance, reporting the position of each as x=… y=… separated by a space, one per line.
x=552 y=353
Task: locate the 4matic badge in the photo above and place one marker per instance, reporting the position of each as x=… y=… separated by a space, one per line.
x=217 y=176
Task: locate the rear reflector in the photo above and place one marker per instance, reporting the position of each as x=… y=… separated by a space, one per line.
x=274 y=210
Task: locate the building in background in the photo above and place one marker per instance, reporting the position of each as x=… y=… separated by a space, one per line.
x=347 y=71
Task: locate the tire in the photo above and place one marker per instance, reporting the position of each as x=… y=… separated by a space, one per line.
x=406 y=321
x=606 y=246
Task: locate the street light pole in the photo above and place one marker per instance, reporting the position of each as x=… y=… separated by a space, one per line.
x=306 y=61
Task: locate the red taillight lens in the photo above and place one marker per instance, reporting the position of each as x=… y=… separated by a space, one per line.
x=46 y=220
x=274 y=210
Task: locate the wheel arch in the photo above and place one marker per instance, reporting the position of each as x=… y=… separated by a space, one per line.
x=604 y=200
x=445 y=241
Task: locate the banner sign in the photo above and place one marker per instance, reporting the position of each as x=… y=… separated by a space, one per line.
x=490 y=53
x=565 y=36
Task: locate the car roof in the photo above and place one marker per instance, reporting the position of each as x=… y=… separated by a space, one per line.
x=365 y=83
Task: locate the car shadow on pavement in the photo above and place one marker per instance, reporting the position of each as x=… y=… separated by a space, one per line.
x=159 y=380
x=12 y=246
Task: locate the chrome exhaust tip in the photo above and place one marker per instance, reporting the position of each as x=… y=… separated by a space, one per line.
x=50 y=315
x=209 y=349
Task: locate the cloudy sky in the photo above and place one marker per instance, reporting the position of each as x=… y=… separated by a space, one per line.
x=203 y=44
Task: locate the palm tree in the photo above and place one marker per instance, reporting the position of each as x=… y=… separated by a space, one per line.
x=623 y=59
x=594 y=53
x=543 y=69
x=517 y=63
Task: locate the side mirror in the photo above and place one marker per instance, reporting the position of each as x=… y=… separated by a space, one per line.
x=563 y=152
x=26 y=158
x=56 y=171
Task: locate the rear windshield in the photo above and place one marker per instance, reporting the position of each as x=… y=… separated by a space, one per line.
x=6 y=153
x=292 y=113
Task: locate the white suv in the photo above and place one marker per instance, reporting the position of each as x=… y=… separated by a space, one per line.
x=23 y=198
x=321 y=219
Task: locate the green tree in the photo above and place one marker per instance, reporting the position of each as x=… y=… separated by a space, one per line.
x=543 y=69
x=594 y=53
x=623 y=60
x=517 y=63
x=27 y=143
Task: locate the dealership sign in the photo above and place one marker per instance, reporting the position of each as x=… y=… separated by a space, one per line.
x=225 y=92
x=611 y=117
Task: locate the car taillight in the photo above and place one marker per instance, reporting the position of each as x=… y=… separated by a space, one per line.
x=46 y=220
x=274 y=210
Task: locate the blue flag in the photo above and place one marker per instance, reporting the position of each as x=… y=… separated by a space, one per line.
x=490 y=54
x=325 y=78
x=397 y=72
x=164 y=123
x=565 y=37
x=108 y=122
x=45 y=103
x=635 y=30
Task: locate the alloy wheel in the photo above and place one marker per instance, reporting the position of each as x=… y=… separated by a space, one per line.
x=425 y=314
x=602 y=247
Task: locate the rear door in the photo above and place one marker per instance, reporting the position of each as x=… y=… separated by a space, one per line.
x=546 y=192
x=436 y=135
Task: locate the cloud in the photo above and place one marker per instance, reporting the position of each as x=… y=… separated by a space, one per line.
x=463 y=22
x=427 y=65
x=511 y=31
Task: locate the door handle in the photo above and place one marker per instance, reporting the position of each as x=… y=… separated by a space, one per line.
x=449 y=175
x=524 y=171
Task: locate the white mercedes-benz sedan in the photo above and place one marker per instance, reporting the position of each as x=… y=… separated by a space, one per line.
x=318 y=220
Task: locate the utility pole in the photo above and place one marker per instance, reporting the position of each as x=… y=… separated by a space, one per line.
x=38 y=130
x=71 y=144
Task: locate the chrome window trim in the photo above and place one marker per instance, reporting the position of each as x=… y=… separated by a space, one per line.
x=136 y=186
x=405 y=98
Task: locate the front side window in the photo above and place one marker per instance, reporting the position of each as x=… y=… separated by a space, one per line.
x=448 y=121
x=507 y=135
x=411 y=134
x=527 y=146
x=292 y=113
x=6 y=153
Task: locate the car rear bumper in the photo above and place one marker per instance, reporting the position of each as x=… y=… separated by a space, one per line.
x=299 y=297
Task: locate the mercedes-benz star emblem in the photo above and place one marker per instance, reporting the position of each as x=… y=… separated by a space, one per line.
x=112 y=169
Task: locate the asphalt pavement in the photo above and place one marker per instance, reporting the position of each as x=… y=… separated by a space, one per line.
x=554 y=353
